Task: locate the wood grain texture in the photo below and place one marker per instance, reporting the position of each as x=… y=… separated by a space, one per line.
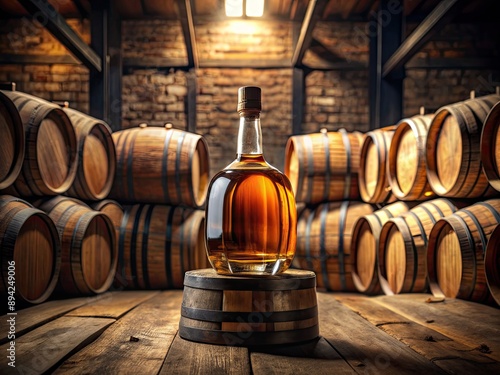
x=490 y=147
x=324 y=166
x=324 y=242
x=492 y=264
x=365 y=244
x=41 y=350
x=186 y=357
x=137 y=342
x=35 y=316
x=471 y=324
x=315 y=357
x=453 y=357
x=96 y=157
x=157 y=165
x=373 y=179
x=455 y=254
x=29 y=238
x=88 y=243
x=364 y=346
x=406 y=162
x=11 y=142
x=113 y=305
x=158 y=244
x=50 y=161
x=403 y=246
x=453 y=156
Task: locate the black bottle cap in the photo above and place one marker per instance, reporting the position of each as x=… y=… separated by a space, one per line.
x=249 y=98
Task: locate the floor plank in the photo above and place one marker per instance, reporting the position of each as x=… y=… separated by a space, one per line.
x=114 y=305
x=472 y=324
x=35 y=316
x=137 y=343
x=43 y=348
x=186 y=357
x=453 y=357
x=367 y=348
x=317 y=357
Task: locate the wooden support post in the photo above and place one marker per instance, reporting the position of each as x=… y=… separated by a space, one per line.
x=314 y=12
x=372 y=72
x=57 y=26
x=99 y=80
x=389 y=90
x=298 y=92
x=190 y=106
x=115 y=69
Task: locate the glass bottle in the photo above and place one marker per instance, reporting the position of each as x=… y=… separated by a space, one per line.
x=251 y=218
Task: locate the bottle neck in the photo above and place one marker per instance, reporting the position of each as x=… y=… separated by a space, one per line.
x=249 y=134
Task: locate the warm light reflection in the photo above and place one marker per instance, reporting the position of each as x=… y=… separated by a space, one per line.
x=254 y=8
x=244 y=27
x=234 y=8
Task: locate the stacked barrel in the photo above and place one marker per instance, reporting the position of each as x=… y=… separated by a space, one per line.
x=54 y=243
x=323 y=169
x=433 y=183
x=161 y=179
x=76 y=217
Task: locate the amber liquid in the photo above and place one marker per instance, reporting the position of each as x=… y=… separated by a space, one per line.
x=251 y=219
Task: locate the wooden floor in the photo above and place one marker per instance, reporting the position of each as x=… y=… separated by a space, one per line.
x=135 y=332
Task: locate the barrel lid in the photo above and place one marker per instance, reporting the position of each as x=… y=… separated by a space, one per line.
x=291 y=279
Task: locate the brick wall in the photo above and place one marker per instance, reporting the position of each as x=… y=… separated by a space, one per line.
x=218 y=120
x=55 y=82
x=333 y=99
x=251 y=39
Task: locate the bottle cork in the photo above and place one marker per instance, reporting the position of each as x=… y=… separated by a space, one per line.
x=249 y=97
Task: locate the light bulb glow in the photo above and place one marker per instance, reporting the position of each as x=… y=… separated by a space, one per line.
x=234 y=8
x=254 y=8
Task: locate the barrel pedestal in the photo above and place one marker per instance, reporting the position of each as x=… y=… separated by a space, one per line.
x=247 y=311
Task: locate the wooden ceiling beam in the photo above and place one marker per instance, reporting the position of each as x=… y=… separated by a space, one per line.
x=315 y=10
x=84 y=13
x=348 y=7
x=58 y=27
x=439 y=17
x=186 y=17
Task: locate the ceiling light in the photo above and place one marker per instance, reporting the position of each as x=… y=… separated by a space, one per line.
x=234 y=8
x=253 y=8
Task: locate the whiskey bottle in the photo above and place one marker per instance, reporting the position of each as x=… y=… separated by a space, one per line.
x=251 y=218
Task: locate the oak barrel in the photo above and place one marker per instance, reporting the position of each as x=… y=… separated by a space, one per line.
x=403 y=247
x=455 y=256
x=160 y=165
x=492 y=264
x=324 y=242
x=89 y=254
x=158 y=244
x=490 y=147
x=453 y=156
x=324 y=166
x=30 y=251
x=373 y=183
x=246 y=311
x=364 y=248
x=406 y=166
x=96 y=157
x=11 y=142
x=49 y=166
